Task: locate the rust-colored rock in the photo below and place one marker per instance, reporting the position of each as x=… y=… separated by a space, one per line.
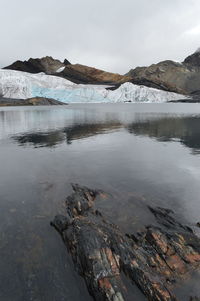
x=83 y=74
x=76 y=73
x=153 y=260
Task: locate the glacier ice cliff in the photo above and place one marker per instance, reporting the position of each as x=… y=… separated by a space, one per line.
x=22 y=85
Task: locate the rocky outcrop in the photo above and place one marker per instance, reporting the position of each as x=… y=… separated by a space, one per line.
x=81 y=74
x=182 y=78
x=46 y=64
x=153 y=259
x=193 y=59
x=76 y=73
x=35 y=101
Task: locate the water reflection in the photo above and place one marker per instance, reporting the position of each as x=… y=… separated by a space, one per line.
x=185 y=130
x=67 y=134
x=42 y=139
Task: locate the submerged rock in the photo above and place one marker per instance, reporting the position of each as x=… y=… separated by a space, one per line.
x=153 y=259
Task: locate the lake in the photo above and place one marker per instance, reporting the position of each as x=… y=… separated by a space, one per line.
x=141 y=154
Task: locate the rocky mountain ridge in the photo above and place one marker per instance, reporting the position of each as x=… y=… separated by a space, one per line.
x=171 y=76
x=182 y=78
x=77 y=73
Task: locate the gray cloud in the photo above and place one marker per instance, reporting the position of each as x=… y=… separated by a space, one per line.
x=111 y=35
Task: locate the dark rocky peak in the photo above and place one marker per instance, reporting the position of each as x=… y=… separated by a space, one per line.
x=45 y=64
x=66 y=62
x=193 y=59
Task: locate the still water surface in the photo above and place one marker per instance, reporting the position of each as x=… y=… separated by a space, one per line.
x=139 y=153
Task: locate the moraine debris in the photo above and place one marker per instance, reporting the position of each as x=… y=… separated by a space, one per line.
x=154 y=259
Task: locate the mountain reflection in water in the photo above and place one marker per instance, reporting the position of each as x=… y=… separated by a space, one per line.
x=185 y=130
x=52 y=138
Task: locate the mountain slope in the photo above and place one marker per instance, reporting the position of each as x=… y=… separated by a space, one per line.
x=76 y=73
x=170 y=76
x=81 y=74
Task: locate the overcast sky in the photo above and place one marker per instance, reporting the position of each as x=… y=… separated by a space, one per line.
x=112 y=35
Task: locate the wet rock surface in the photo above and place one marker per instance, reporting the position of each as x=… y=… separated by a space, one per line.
x=34 y=101
x=153 y=259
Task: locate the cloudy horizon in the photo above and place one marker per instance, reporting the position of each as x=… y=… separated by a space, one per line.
x=109 y=35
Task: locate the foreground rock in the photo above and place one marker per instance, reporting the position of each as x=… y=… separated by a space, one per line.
x=153 y=259
x=35 y=101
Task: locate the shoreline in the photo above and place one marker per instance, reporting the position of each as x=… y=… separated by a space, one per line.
x=35 y=101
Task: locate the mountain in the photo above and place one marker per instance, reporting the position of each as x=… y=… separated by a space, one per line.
x=76 y=73
x=170 y=76
x=182 y=78
x=46 y=64
x=23 y=85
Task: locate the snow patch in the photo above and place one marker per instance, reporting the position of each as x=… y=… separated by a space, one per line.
x=60 y=69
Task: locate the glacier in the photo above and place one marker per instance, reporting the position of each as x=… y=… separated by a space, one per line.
x=23 y=85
